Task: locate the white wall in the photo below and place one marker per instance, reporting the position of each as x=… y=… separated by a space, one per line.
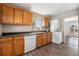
x=16 y=28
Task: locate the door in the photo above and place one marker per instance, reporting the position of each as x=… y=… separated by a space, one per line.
x=45 y=39
x=7 y=48
x=39 y=40
x=18 y=16
x=8 y=14
x=27 y=18
x=18 y=45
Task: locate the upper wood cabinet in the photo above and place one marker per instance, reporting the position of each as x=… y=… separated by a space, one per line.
x=6 y=47
x=39 y=38
x=6 y=14
x=45 y=22
x=18 y=16
x=27 y=18
x=18 y=45
x=1 y=13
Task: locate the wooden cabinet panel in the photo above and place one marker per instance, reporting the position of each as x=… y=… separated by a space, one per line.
x=18 y=45
x=7 y=48
x=27 y=18
x=1 y=13
x=39 y=40
x=49 y=37
x=5 y=40
x=0 y=49
x=8 y=14
x=18 y=16
x=45 y=22
x=45 y=39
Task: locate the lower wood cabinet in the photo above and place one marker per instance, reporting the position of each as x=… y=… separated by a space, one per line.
x=6 y=47
x=12 y=46
x=39 y=38
x=49 y=37
x=18 y=45
x=0 y=49
x=45 y=39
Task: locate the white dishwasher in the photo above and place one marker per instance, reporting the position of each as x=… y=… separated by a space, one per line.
x=30 y=43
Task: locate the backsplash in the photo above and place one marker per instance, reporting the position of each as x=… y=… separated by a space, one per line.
x=16 y=28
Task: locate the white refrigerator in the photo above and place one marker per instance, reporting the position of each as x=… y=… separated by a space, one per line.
x=57 y=35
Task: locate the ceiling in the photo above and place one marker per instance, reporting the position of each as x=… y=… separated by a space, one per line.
x=48 y=8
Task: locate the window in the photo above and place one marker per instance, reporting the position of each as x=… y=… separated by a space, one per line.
x=37 y=23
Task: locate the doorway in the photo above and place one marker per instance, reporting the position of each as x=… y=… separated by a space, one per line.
x=71 y=32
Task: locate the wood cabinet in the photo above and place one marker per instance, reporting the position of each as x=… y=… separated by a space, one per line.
x=6 y=14
x=10 y=15
x=18 y=45
x=45 y=22
x=44 y=38
x=0 y=49
x=1 y=13
x=18 y=16
x=12 y=46
x=6 y=47
x=27 y=18
x=49 y=39
x=39 y=38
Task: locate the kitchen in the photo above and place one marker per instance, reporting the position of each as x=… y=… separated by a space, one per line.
x=23 y=31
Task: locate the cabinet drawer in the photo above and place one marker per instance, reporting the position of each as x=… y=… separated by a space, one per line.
x=18 y=38
x=6 y=39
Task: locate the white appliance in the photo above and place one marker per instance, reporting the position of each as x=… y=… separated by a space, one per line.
x=57 y=37
x=30 y=42
x=0 y=29
x=54 y=28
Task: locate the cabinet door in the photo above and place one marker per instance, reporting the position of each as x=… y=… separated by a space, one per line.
x=7 y=48
x=18 y=16
x=49 y=37
x=45 y=22
x=1 y=12
x=0 y=49
x=27 y=18
x=45 y=39
x=18 y=45
x=39 y=40
x=8 y=14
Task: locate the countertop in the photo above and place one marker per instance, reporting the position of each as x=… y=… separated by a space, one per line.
x=6 y=35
